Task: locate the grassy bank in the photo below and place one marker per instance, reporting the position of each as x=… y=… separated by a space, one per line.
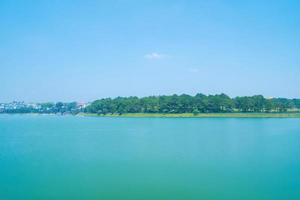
x=202 y=115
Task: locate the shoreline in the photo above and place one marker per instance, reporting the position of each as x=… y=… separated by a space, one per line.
x=180 y=115
x=201 y=115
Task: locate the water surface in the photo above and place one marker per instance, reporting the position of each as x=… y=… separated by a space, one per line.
x=65 y=157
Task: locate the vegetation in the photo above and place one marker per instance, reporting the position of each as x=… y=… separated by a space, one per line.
x=184 y=105
x=200 y=115
x=46 y=108
x=200 y=103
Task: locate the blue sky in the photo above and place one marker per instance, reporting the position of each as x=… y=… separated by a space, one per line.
x=84 y=50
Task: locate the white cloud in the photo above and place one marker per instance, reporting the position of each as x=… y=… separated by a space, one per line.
x=155 y=56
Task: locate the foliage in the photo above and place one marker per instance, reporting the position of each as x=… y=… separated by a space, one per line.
x=199 y=103
x=47 y=108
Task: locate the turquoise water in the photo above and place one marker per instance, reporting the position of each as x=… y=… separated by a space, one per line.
x=65 y=157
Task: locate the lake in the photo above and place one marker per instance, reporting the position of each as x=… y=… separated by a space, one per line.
x=68 y=157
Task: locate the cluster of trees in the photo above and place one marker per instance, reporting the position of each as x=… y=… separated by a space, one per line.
x=59 y=107
x=47 y=108
x=199 y=103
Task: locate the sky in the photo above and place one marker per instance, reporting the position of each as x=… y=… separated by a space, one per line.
x=74 y=50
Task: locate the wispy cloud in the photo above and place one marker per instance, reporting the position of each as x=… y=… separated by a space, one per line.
x=155 y=56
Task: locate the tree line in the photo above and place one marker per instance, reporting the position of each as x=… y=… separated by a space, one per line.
x=44 y=108
x=200 y=103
